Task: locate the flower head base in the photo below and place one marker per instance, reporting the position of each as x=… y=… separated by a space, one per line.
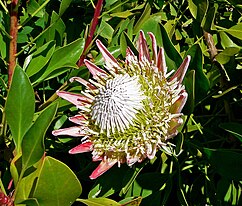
x=128 y=111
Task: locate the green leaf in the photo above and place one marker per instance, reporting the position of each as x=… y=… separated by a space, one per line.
x=235 y=31
x=63 y=6
x=123 y=45
x=130 y=44
x=40 y=58
x=144 y=17
x=105 y=30
x=233 y=128
x=201 y=81
x=65 y=56
x=123 y=14
x=224 y=56
x=3 y=50
x=226 y=41
x=198 y=9
x=101 y=201
x=20 y=106
x=57 y=185
x=152 y=25
x=30 y=202
x=173 y=58
x=32 y=7
x=222 y=187
x=190 y=88
x=27 y=182
x=226 y=162
x=126 y=42
x=209 y=19
x=55 y=31
x=33 y=141
x=110 y=2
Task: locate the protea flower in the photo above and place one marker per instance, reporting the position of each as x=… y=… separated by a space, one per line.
x=130 y=109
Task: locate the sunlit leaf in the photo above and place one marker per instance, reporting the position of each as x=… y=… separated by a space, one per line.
x=224 y=56
x=40 y=58
x=58 y=27
x=226 y=41
x=105 y=30
x=235 y=31
x=57 y=185
x=198 y=8
x=173 y=59
x=32 y=7
x=144 y=17
x=64 y=57
x=20 y=106
x=124 y=14
x=209 y=18
x=26 y=184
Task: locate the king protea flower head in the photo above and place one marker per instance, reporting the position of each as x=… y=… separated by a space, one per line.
x=130 y=109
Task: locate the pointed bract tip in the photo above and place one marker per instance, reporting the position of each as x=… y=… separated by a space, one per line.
x=181 y=71
x=81 y=148
x=54 y=133
x=72 y=79
x=102 y=168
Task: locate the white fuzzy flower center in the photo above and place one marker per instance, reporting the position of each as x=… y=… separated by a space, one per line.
x=117 y=103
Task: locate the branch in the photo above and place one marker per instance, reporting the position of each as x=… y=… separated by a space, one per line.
x=13 y=42
x=92 y=30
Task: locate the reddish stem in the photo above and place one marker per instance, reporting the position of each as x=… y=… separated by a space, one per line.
x=13 y=42
x=92 y=30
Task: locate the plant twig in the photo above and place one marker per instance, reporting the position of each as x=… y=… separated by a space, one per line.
x=213 y=53
x=13 y=42
x=92 y=30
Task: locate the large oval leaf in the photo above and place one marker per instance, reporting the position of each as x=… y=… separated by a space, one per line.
x=57 y=185
x=20 y=106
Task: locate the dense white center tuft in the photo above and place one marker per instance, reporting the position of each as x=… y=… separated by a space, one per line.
x=117 y=103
